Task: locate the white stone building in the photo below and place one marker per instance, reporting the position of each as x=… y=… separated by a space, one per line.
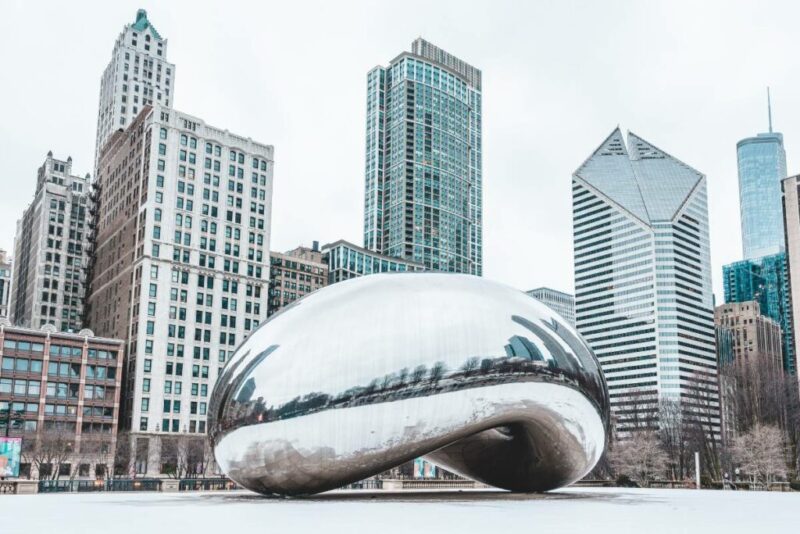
x=643 y=297
x=138 y=74
x=182 y=265
x=51 y=250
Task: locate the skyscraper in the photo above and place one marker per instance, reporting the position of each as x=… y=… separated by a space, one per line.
x=181 y=267
x=791 y=216
x=643 y=293
x=762 y=166
x=51 y=250
x=138 y=74
x=766 y=281
x=423 y=193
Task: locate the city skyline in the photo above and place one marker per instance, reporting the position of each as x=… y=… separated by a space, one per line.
x=527 y=162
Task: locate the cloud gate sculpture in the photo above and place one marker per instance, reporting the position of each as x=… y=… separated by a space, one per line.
x=366 y=374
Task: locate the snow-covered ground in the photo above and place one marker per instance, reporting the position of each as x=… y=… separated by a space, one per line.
x=593 y=511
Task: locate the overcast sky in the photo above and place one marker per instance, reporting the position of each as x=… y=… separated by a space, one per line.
x=689 y=77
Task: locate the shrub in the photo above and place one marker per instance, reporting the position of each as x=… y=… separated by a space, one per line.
x=626 y=482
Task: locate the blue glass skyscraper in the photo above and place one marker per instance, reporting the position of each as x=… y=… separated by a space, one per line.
x=762 y=166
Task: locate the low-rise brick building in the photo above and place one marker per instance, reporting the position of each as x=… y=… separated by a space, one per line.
x=61 y=393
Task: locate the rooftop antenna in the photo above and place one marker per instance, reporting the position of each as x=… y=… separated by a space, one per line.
x=769 y=110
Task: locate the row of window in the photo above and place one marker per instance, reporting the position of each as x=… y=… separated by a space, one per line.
x=173 y=425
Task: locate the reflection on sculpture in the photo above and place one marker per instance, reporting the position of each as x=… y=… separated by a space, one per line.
x=366 y=374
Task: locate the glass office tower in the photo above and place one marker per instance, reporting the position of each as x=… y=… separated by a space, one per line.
x=765 y=280
x=643 y=298
x=762 y=167
x=423 y=185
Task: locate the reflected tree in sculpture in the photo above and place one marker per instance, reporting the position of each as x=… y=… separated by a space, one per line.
x=366 y=374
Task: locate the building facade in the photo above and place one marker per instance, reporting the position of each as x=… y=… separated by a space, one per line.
x=558 y=301
x=725 y=343
x=5 y=284
x=791 y=220
x=423 y=193
x=295 y=274
x=765 y=280
x=756 y=337
x=749 y=349
x=346 y=260
x=727 y=384
x=62 y=392
x=762 y=166
x=138 y=74
x=181 y=265
x=51 y=250
x=643 y=296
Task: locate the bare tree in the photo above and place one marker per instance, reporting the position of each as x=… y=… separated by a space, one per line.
x=760 y=454
x=765 y=395
x=123 y=455
x=792 y=409
x=758 y=396
x=402 y=376
x=194 y=457
x=673 y=437
x=471 y=365
x=636 y=411
x=170 y=456
x=49 y=450
x=437 y=372
x=640 y=457
x=93 y=448
x=700 y=424
x=418 y=374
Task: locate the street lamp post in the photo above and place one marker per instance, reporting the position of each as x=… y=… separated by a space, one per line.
x=697 y=469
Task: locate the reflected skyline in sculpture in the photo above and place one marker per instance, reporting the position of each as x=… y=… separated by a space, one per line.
x=477 y=376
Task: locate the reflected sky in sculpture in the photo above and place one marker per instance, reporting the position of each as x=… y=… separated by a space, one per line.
x=366 y=374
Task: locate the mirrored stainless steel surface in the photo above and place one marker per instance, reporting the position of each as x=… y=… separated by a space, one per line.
x=366 y=374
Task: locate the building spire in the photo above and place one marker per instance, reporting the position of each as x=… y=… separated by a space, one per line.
x=769 y=110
